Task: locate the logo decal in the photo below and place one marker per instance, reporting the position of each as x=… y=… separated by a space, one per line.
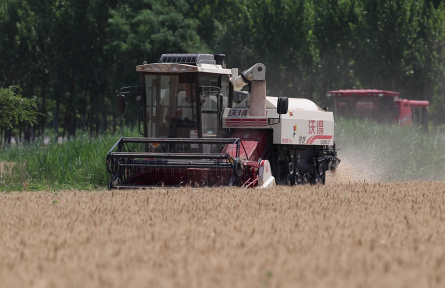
x=318 y=137
x=316 y=127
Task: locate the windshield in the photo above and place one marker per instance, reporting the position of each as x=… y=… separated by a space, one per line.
x=170 y=106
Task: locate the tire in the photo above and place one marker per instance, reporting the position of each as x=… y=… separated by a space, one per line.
x=323 y=177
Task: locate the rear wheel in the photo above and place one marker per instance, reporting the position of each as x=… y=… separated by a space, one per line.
x=298 y=165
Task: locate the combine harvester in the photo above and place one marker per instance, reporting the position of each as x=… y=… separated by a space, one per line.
x=200 y=129
x=380 y=106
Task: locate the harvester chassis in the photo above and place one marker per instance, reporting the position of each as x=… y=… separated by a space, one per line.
x=300 y=165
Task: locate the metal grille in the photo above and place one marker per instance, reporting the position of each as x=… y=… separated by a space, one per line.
x=148 y=162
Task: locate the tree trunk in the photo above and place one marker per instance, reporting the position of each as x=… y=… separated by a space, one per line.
x=43 y=117
x=103 y=124
x=27 y=133
x=73 y=126
x=19 y=138
x=443 y=93
x=311 y=92
x=91 y=116
x=85 y=121
x=56 y=117
x=114 y=122
x=9 y=136
x=65 y=125
x=98 y=125
x=426 y=91
x=33 y=136
x=84 y=118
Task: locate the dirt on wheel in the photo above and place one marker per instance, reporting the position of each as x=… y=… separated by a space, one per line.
x=340 y=235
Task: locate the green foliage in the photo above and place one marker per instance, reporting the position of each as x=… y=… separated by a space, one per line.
x=72 y=56
x=146 y=30
x=143 y=30
x=14 y=108
x=79 y=163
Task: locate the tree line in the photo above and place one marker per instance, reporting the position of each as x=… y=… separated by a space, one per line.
x=70 y=56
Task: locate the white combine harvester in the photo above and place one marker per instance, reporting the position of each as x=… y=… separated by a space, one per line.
x=199 y=129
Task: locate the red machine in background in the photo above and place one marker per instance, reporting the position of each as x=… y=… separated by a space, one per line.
x=380 y=106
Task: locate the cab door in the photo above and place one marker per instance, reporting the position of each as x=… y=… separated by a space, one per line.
x=212 y=98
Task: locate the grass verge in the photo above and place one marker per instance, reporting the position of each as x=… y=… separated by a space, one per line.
x=74 y=164
x=386 y=152
x=391 y=152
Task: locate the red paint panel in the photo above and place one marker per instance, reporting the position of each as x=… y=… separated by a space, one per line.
x=418 y=104
x=246 y=122
x=254 y=142
x=318 y=137
x=405 y=115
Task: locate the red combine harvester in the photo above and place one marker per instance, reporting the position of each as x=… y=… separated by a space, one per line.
x=380 y=106
x=198 y=128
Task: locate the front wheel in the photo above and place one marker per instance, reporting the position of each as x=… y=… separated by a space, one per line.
x=323 y=177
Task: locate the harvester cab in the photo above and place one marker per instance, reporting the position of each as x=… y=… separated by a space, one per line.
x=199 y=128
x=380 y=106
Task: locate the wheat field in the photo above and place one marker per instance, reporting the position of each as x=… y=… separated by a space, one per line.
x=345 y=234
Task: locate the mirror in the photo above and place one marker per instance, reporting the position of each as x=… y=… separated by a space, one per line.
x=282 y=105
x=120 y=103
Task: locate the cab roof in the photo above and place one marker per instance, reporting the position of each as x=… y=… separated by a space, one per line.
x=182 y=68
x=182 y=63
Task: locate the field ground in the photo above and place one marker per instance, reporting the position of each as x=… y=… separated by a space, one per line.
x=339 y=235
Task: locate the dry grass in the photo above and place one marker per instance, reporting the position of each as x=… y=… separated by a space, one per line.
x=357 y=235
x=6 y=168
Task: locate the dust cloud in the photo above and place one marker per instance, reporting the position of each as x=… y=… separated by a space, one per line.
x=352 y=170
x=358 y=166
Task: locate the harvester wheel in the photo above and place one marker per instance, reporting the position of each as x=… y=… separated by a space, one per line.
x=323 y=177
x=238 y=167
x=291 y=181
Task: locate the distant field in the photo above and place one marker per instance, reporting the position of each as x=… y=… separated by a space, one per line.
x=339 y=235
